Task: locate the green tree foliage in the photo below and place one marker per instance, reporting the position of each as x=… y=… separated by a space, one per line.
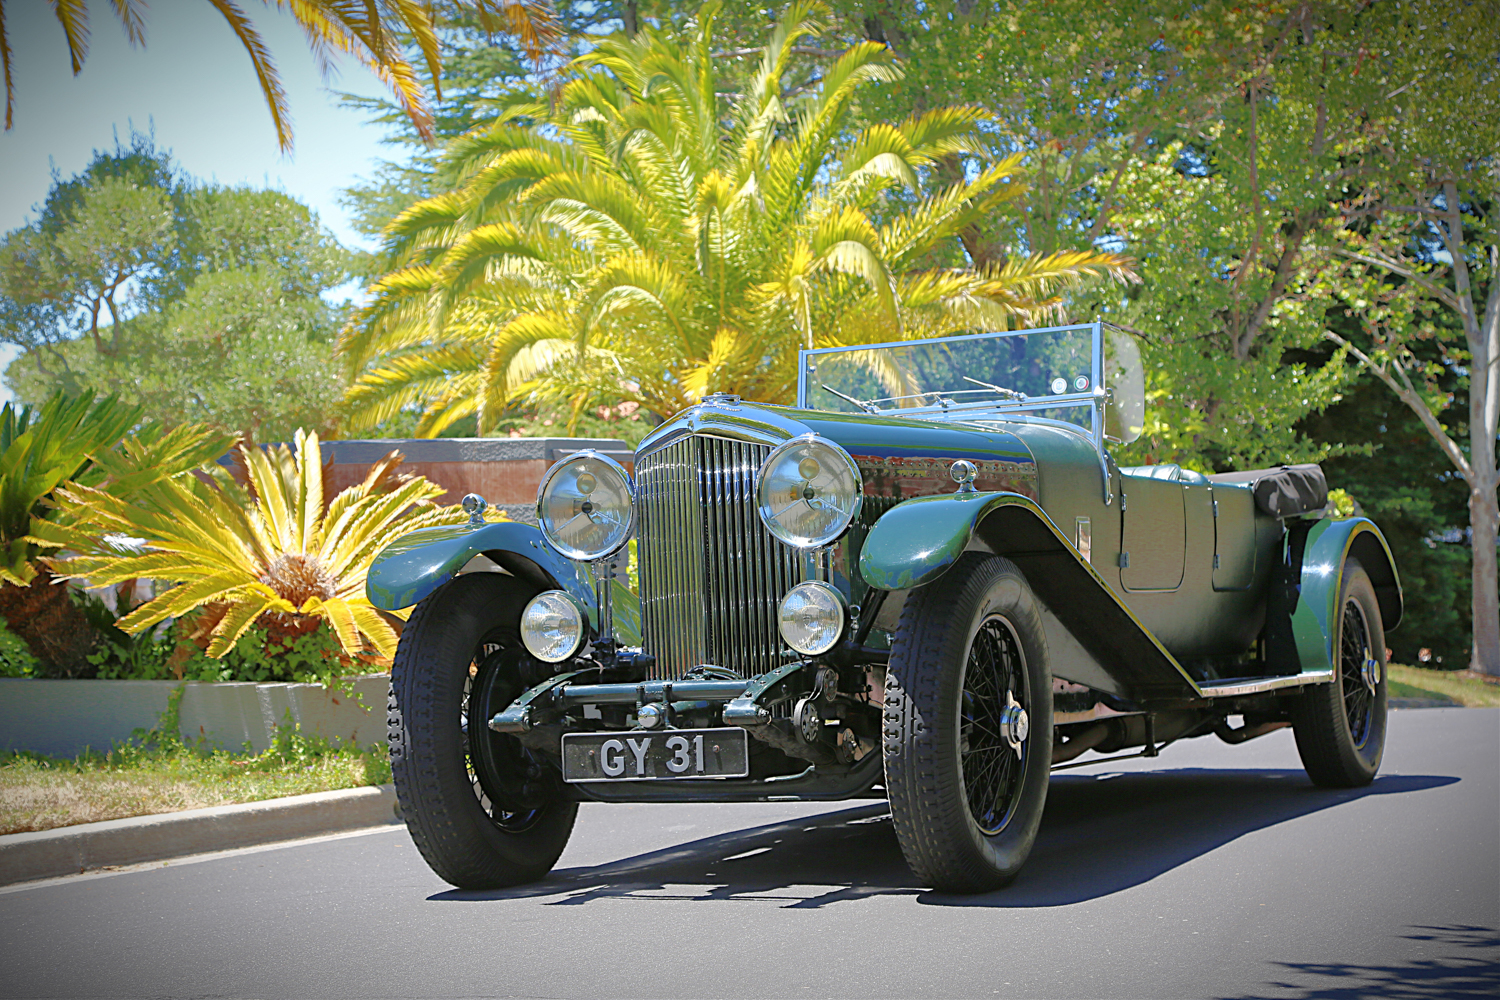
x=1394 y=476
x=1211 y=141
x=194 y=302
x=484 y=69
x=1422 y=242
x=647 y=239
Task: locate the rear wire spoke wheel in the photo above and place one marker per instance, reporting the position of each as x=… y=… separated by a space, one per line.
x=967 y=733
x=484 y=811
x=1340 y=726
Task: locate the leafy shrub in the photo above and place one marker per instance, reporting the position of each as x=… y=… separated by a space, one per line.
x=15 y=657
x=168 y=653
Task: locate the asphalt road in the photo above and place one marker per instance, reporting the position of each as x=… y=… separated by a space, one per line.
x=1213 y=871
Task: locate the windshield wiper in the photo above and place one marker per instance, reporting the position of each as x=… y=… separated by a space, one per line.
x=1007 y=393
x=867 y=407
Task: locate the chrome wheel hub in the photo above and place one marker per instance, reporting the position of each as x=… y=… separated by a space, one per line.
x=1015 y=724
x=1371 y=672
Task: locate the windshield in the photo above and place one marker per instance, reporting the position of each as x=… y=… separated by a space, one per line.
x=1047 y=373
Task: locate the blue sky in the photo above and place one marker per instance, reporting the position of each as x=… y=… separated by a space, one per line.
x=193 y=82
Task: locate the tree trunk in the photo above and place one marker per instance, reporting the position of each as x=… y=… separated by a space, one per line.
x=1482 y=331
x=44 y=616
x=1483 y=514
x=1484 y=506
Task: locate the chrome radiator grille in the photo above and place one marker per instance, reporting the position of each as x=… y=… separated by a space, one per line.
x=711 y=575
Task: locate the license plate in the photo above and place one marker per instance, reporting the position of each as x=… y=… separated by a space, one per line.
x=641 y=756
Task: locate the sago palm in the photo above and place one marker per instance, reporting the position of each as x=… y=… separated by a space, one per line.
x=369 y=30
x=276 y=554
x=49 y=448
x=649 y=238
x=39 y=451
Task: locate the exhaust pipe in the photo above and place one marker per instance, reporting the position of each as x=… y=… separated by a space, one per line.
x=1240 y=735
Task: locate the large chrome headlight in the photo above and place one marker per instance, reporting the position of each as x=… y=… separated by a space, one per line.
x=808 y=491
x=584 y=506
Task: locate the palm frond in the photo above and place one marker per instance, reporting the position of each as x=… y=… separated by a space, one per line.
x=73 y=15
x=265 y=69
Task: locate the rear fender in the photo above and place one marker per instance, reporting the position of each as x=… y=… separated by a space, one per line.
x=1330 y=544
x=417 y=564
x=917 y=541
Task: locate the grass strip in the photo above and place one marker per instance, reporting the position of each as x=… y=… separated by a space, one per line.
x=160 y=774
x=1459 y=686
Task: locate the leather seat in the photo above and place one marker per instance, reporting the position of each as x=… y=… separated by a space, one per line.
x=1170 y=471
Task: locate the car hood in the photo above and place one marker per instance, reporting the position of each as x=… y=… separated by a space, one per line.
x=897 y=458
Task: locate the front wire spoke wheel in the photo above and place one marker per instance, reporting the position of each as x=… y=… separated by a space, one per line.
x=994 y=754
x=967 y=735
x=500 y=770
x=484 y=811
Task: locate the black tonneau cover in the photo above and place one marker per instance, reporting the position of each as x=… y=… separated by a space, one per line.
x=1285 y=491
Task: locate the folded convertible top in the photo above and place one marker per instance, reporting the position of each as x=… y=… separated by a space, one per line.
x=1285 y=491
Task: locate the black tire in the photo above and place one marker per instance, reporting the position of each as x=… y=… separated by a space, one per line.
x=1340 y=726
x=484 y=812
x=966 y=805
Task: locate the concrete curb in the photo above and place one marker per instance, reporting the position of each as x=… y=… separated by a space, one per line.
x=25 y=857
x=1423 y=703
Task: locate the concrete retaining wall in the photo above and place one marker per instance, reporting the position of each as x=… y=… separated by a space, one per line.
x=62 y=718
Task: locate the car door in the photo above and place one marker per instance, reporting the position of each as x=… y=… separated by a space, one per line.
x=1153 y=531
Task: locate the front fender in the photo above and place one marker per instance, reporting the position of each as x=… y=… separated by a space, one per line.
x=1330 y=543
x=416 y=564
x=920 y=539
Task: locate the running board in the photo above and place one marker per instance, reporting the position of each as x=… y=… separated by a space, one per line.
x=1259 y=685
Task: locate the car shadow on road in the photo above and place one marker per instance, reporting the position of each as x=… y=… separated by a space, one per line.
x=1467 y=965
x=1099 y=835
x=1105 y=833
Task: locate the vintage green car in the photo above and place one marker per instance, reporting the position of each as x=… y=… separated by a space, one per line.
x=928 y=582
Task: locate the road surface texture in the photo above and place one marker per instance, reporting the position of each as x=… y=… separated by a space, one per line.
x=1212 y=871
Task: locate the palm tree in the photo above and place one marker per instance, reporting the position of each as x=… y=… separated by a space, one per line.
x=369 y=31
x=651 y=239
